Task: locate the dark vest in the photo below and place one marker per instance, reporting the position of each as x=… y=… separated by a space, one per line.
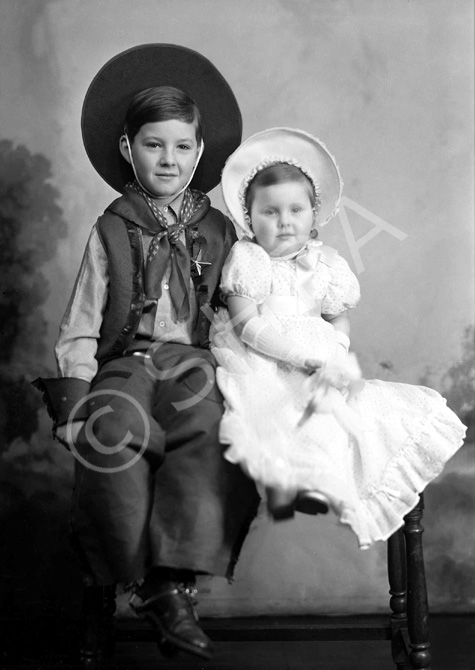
x=121 y=238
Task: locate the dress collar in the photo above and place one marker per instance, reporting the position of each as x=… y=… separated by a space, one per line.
x=310 y=244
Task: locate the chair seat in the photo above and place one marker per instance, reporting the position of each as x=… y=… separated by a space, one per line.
x=405 y=626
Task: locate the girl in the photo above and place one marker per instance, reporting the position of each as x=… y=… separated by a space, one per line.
x=298 y=419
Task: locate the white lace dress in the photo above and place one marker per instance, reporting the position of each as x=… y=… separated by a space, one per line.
x=408 y=431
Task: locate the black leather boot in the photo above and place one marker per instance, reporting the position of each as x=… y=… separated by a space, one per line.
x=169 y=608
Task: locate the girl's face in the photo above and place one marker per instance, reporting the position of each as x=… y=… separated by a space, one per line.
x=164 y=154
x=282 y=217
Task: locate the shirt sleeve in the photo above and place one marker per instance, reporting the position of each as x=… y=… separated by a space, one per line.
x=247 y=272
x=79 y=331
x=343 y=290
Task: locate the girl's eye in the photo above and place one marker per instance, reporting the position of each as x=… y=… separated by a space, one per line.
x=269 y=212
x=295 y=210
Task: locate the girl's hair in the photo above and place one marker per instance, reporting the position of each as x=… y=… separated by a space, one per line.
x=279 y=173
x=161 y=103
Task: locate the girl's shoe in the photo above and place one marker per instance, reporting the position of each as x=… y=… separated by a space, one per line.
x=312 y=502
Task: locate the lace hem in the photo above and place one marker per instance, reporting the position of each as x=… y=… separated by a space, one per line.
x=378 y=510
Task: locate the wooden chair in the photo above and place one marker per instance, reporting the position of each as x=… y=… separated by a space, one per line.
x=405 y=626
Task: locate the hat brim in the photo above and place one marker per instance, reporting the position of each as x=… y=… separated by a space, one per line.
x=281 y=145
x=144 y=66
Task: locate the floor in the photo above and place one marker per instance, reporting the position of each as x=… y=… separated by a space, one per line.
x=452 y=639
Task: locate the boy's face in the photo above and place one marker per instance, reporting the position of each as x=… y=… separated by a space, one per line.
x=164 y=154
x=282 y=217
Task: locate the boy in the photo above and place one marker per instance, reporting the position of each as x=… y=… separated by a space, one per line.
x=136 y=400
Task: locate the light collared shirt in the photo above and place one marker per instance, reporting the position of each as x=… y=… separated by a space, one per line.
x=76 y=345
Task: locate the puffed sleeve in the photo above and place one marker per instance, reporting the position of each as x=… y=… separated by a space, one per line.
x=343 y=290
x=247 y=272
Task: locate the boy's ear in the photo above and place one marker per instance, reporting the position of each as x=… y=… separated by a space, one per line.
x=124 y=149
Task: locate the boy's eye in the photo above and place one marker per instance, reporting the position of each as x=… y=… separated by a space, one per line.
x=153 y=145
x=184 y=146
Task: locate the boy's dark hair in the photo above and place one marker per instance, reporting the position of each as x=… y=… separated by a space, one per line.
x=279 y=173
x=161 y=103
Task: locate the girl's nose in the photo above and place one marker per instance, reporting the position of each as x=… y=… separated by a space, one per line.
x=284 y=220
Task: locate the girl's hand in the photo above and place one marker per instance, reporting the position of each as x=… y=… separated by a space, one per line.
x=312 y=364
x=61 y=433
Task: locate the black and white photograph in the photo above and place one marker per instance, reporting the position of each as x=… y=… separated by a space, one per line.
x=237 y=324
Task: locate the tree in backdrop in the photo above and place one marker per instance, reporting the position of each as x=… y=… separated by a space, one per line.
x=457 y=383
x=31 y=224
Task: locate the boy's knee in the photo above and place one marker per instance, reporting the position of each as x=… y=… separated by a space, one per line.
x=113 y=434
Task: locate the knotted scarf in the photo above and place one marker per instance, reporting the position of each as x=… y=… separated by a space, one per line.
x=166 y=248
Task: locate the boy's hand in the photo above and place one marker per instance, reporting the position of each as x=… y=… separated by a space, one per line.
x=61 y=433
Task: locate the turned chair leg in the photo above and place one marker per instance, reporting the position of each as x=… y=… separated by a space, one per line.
x=97 y=635
x=417 y=603
x=398 y=602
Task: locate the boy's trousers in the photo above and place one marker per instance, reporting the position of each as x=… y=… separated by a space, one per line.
x=152 y=487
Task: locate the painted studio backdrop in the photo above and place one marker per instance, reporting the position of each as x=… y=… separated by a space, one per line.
x=388 y=86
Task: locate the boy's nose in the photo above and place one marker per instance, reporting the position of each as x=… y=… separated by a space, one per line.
x=167 y=156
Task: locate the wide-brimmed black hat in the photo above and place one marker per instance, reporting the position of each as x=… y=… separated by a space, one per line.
x=144 y=66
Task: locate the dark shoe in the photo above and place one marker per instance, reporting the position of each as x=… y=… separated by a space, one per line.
x=280 y=504
x=171 y=613
x=312 y=502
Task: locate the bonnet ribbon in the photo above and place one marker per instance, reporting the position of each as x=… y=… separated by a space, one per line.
x=166 y=247
x=308 y=304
